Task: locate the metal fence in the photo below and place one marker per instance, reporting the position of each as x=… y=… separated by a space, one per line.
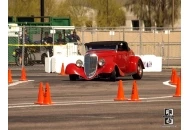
x=164 y=42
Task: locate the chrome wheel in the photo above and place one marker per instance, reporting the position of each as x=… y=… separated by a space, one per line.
x=139 y=73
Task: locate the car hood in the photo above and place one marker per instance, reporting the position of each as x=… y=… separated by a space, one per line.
x=102 y=53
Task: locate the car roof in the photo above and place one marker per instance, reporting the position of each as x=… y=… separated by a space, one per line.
x=105 y=43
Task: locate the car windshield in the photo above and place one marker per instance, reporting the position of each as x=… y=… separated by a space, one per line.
x=101 y=47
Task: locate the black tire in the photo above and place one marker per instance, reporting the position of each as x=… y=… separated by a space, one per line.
x=44 y=55
x=26 y=60
x=38 y=62
x=17 y=60
x=31 y=59
x=113 y=76
x=73 y=77
x=139 y=73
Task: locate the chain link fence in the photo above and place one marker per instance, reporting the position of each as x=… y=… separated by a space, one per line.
x=164 y=42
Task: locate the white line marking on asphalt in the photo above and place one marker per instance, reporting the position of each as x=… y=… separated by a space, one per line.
x=106 y=117
x=67 y=103
x=18 y=82
x=112 y=102
x=162 y=100
x=21 y=104
x=157 y=97
x=168 y=84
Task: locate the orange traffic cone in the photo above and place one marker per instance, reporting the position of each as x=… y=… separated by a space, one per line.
x=23 y=74
x=134 y=94
x=178 y=88
x=171 y=78
x=120 y=93
x=40 y=94
x=62 y=70
x=175 y=78
x=10 y=80
x=47 y=95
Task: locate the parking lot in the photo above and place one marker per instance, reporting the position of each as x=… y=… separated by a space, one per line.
x=84 y=105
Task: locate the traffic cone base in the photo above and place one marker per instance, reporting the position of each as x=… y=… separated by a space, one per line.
x=120 y=99
x=178 y=88
x=133 y=100
x=176 y=95
x=120 y=93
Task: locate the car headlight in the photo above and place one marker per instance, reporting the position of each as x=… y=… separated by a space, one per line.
x=101 y=62
x=79 y=63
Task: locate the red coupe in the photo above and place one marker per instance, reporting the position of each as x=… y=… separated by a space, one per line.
x=106 y=59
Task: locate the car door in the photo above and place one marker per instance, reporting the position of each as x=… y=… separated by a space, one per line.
x=122 y=57
x=125 y=56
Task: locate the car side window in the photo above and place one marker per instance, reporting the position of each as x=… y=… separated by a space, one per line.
x=124 y=47
x=127 y=47
x=120 y=48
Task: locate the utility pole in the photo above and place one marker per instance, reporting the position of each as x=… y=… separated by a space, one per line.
x=42 y=16
x=140 y=27
x=42 y=10
x=107 y=12
x=172 y=14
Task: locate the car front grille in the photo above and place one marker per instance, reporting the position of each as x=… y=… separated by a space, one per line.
x=90 y=64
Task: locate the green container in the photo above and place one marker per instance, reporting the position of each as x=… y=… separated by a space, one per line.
x=14 y=41
x=10 y=19
x=56 y=21
x=52 y=21
x=24 y=19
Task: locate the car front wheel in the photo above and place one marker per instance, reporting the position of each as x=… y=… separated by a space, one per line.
x=113 y=75
x=139 y=73
x=73 y=77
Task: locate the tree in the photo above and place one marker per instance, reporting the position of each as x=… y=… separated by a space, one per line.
x=81 y=12
x=31 y=7
x=76 y=10
x=109 y=13
x=50 y=7
x=23 y=8
x=155 y=11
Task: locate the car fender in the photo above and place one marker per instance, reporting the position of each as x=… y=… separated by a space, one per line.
x=108 y=68
x=133 y=63
x=73 y=69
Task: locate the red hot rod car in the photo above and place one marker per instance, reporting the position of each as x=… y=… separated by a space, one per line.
x=106 y=59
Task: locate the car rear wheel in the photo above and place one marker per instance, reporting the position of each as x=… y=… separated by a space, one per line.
x=139 y=73
x=113 y=75
x=73 y=77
